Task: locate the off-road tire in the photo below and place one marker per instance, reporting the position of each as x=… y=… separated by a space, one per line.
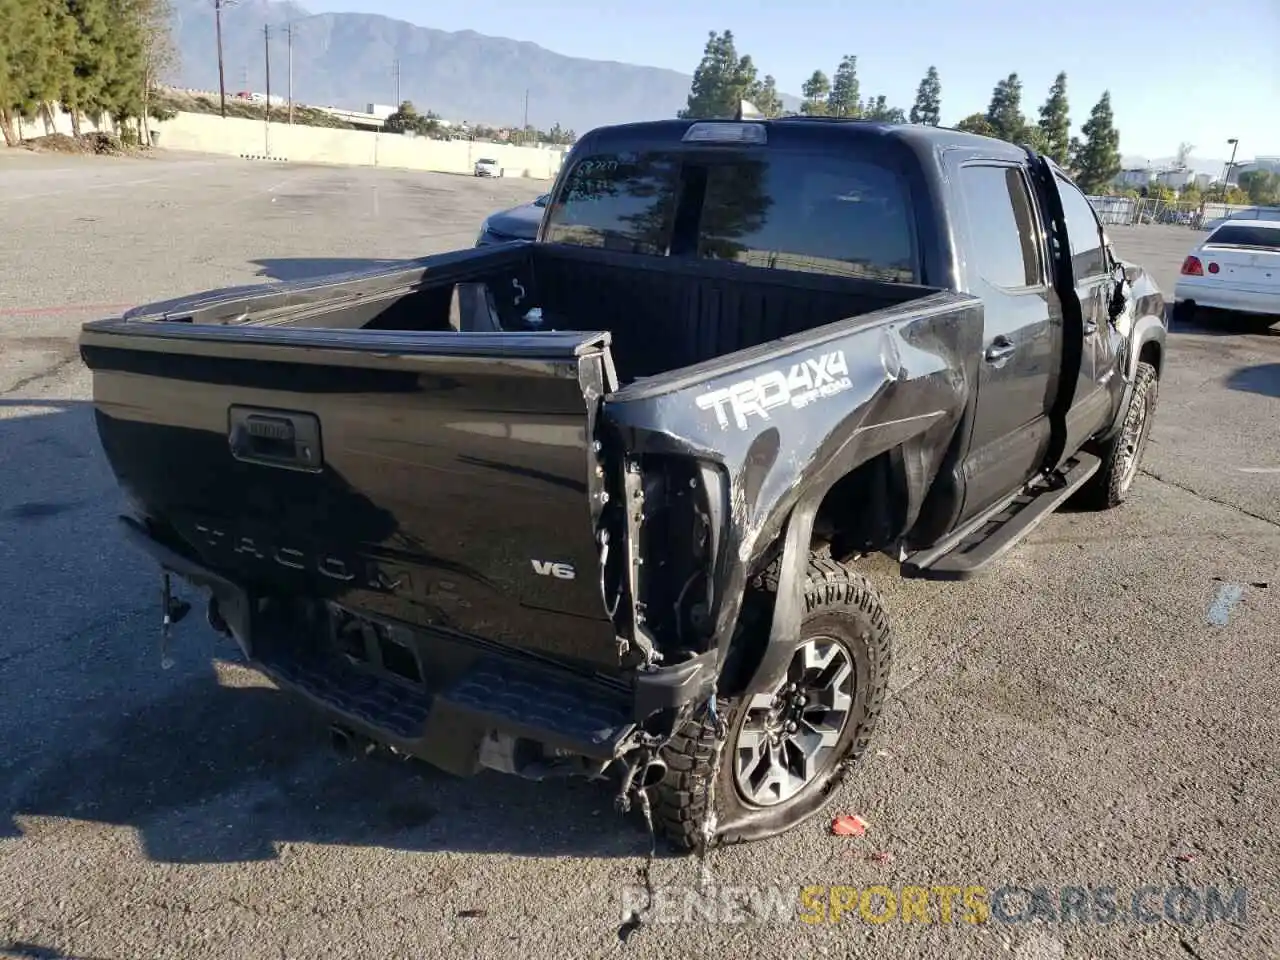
x=839 y=603
x=1106 y=488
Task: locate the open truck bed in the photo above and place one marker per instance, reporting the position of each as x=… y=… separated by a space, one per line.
x=436 y=533
x=601 y=500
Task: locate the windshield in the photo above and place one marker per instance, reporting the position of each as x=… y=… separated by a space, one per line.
x=487 y=161
x=811 y=212
x=1242 y=235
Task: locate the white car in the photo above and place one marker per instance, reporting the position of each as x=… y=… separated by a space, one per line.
x=1236 y=267
x=488 y=168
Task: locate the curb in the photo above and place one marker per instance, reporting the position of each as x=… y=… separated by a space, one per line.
x=258 y=156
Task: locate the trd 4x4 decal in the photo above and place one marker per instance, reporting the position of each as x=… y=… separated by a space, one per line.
x=809 y=380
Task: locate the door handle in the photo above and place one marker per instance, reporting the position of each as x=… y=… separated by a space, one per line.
x=1001 y=348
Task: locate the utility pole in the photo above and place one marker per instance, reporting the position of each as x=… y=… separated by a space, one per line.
x=289 y=33
x=1226 y=174
x=266 y=47
x=526 y=110
x=222 y=78
x=395 y=72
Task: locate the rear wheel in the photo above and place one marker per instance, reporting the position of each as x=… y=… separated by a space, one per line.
x=789 y=747
x=1122 y=454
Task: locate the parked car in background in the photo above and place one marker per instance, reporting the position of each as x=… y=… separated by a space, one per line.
x=487 y=168
x=515 y=223
x=1237 y=268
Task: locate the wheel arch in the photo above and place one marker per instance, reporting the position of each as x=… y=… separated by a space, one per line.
x=756 y=662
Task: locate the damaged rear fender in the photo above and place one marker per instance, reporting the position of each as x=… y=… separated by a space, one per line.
x=786 y=422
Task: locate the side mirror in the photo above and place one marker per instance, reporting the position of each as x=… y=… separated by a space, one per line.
x=542 y=200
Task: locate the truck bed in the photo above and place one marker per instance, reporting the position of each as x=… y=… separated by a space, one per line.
x=367 y=449
x=661 y=314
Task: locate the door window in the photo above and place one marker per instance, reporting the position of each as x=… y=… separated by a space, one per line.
x=1005 y=244
x=1084 y=232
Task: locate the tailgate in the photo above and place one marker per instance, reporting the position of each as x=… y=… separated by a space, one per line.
x=443 y=479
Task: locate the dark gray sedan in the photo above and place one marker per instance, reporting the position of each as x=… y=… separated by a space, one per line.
x=517 y=223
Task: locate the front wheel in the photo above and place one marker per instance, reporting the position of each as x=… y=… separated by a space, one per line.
x=789 y=747
x=1122 y=454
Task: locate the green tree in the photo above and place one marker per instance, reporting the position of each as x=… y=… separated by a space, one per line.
x=977 y=123
x=33 y=36
x=721 y=82
x=1004 y=113
x=764 y=95
x=879 y=109
x=1098 y=159
x=816 y=90
x=845 y=99
x=86 y=87
x=928 y=105
x=1261 y=186
x=1055 y=122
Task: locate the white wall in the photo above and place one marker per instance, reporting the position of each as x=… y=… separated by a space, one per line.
x=207 y=133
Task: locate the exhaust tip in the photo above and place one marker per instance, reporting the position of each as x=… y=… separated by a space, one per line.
x=654 y=774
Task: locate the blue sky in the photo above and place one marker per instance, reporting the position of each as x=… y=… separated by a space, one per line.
x=1191 y=74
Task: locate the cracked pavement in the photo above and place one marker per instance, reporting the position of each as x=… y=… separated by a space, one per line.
x=1074 y=718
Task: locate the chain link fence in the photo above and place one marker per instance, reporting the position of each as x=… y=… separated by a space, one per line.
x=1197 y=215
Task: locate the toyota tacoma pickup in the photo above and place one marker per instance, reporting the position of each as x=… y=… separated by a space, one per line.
x=597 y=504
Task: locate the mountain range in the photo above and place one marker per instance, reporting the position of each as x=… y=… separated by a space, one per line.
x=351 y=60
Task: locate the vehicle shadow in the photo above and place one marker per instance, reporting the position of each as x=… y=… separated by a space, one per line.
x=1223 y=323
x=305 y=268
x=207 y=762
x=23 y=950
x=1262 y=379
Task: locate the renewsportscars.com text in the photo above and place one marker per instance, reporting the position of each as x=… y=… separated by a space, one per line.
x=960 y=905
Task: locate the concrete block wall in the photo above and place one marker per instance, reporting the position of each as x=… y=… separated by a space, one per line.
x=234 y=136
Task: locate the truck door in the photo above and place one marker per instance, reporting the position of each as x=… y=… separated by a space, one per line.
x=1018 y=373
x=1099 y=386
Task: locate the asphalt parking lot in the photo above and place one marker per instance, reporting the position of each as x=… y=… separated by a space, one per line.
x=1098 y=712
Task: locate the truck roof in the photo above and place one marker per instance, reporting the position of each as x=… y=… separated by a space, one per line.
x=799 y=131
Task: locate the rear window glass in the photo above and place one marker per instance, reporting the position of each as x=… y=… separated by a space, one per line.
x=816 y=213
x=790 y=211
x=619 y=202
x=1240 y=235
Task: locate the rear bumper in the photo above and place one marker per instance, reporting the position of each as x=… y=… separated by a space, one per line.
x=1222 y=297
x=467 y=694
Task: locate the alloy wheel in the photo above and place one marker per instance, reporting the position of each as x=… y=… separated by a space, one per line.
x=788 y=737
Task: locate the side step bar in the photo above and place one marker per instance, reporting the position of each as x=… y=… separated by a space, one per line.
x=969 y=551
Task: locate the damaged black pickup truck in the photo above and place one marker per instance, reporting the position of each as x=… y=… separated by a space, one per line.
x=596 y=504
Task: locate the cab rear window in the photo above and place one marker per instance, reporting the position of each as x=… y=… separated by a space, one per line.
x=820 y=213
x=1242 y=235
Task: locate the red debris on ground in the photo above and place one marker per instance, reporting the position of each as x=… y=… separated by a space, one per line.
x=849 y=825
x=881 y=856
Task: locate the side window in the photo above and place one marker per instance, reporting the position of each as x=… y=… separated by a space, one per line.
x=1006 y=246
x=816 y=213
x=616 y=201
x=1083 y=231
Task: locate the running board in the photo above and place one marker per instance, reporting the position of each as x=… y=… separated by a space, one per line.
x=973 y=548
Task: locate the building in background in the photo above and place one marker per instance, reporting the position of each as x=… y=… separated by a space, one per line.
x=1269 y=164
